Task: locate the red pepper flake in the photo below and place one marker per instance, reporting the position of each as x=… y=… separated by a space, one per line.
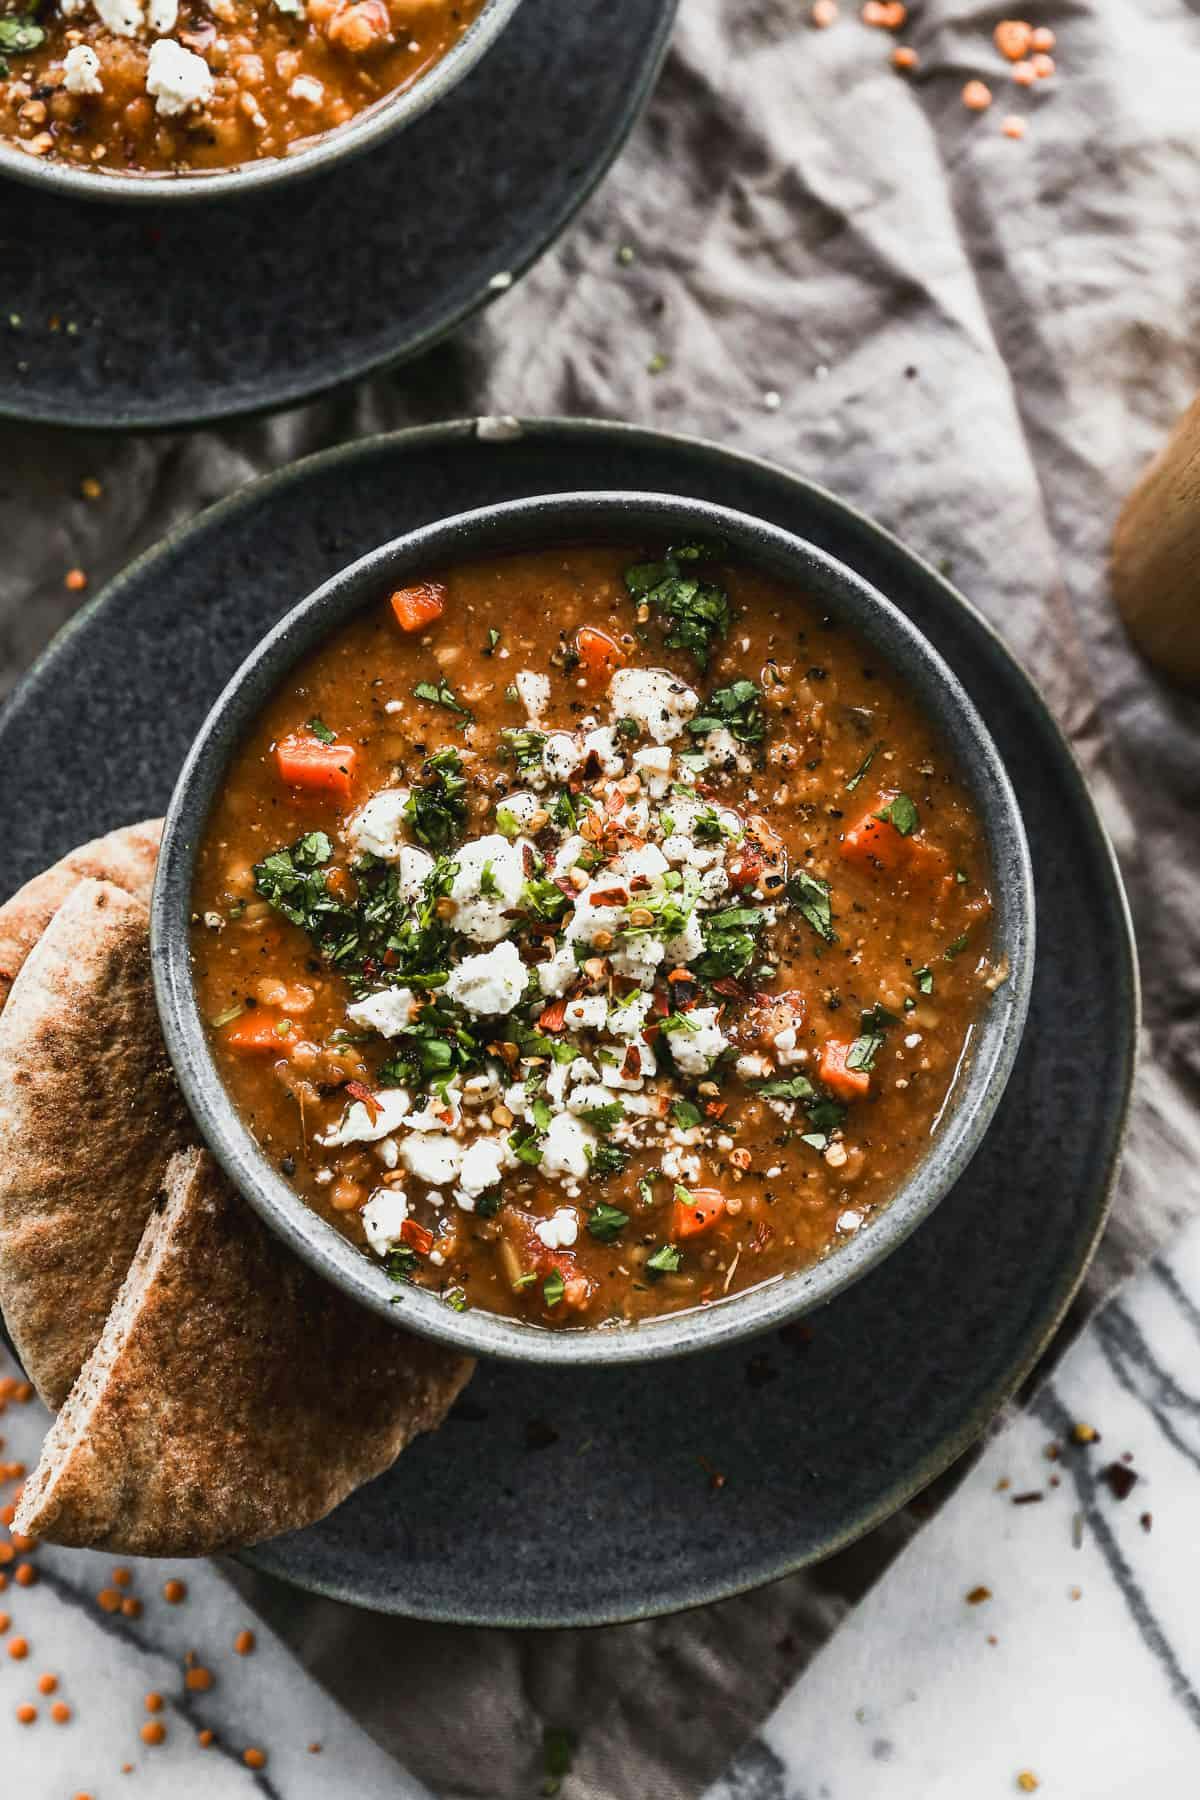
x=368 y=1099
x=416 y=1237
x=1029 y=1499
x=613 y=896
x=554 y=1016
x=1121 y=1479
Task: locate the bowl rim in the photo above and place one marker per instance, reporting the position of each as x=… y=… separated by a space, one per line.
x=369 y=128
x=538 y=521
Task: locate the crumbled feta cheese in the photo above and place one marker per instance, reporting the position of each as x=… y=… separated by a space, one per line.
x=850 y=1220
x=483 y=1163
x=655 y=759
x=565 y=1146
x=658 y=700
x=724 y=752
x=561 y=756
x=696 y=1050
x=163 y=16
x=124 y=18
x=569 y=853
x=383 y=1216
x=81 y=71
x=514 y=812
x=689 y=943
x=432 y=1158
x=678 y=1166
x=602 y=744
x=647 y=860
x=587 y=1014
x=753 y=1067
x=626 y=1017
x=439 y=1113
x=534 y=691
x=387 y=1152
x=491 y=983
x=388 y=1012
x=555 y=976
x=362 y=1124
x=177 y=79
x=638 y=959
x=560 y=1231
x=378 y=828
x=484 y=916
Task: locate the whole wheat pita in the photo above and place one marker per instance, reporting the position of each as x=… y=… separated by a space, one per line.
x=90 y=1115
x=233 y=1394
x=126 y=857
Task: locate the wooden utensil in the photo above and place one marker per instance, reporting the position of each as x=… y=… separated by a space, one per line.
x=1156 y=556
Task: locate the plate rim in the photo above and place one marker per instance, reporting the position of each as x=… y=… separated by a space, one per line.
x=636 y=98
x=697 y=1591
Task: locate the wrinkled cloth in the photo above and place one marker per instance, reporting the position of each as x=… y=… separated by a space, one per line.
x=978 y=340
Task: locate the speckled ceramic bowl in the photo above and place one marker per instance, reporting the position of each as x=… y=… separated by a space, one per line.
x=368 y=130
x=582 y=518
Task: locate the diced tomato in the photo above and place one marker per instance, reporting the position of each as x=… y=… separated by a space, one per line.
x=416 y=1237
x=844 y=1083
x=257 y=1033
x=704 y=1208
x=745 y=865
x=416 y=607
x=599 y=655
x=305 y=762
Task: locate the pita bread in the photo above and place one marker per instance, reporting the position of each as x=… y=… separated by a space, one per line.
x=126 y=858
x=233 y=1394
x=89 y=1118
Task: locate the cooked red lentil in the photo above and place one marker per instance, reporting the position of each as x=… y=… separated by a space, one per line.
x=155 y=85
x=599 y=974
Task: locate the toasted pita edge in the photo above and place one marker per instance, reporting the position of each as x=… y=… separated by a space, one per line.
x=126 y=857
x=298 y=1400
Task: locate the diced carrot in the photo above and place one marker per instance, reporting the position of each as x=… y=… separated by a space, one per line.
x=846 y=1084
x=417 y=1237
x=257 y=1034
x=599 y=655
x=416 y=607
x=875 y=843
x=305 y=762
x=703 y=1208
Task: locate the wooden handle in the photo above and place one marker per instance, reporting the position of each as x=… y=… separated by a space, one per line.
x=1156 y=556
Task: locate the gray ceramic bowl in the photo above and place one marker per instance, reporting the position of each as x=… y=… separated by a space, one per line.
x=582 y=518
x=387 y=117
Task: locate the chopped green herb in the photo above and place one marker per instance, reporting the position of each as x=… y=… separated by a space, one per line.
x=437 y=810
x=694 y=613
x=608 y=1159
x=228 y=1016
x=603 y=1118
x=645 y=1188
x=524 y=746
x=553 y=1287
x=901 y=813
x=628 y=728
x=456 y=1299
x=489 y=649
x=810 y=896
x=737 y=708
x=730 y=944
x=562 y=812
x=790 y=1087
x=525 y=1145
x=666 y=1260
x=862 y=768
x=399 y=1264
x=924 y=981
x=606 y=1223
x=543 y=899
x=489 y=887
x=556 y=1757
x=685 y=1114
x=488 y=1204
x=956 y=948
x=320 y=729
x=20 y=35
x=440 y=693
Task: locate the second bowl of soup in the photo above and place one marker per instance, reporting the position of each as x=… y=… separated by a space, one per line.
x=595 y=927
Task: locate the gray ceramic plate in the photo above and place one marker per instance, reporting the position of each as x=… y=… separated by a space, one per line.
x=562 y=1497
x=306 y=288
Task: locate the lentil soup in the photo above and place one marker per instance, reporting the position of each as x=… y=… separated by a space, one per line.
x=152 y=86
x=593 y=933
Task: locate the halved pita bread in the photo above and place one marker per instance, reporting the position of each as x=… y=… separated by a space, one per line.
x=233 y=1395
x=125 y=857
x=89 y=1118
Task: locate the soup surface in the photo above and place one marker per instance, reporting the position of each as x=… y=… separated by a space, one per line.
x=592 y=933
x=205 y=84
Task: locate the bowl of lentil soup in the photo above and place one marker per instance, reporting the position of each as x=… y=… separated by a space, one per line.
x=173 y=99
x=595 y=927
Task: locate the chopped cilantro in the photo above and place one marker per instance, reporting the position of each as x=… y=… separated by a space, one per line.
x=645 y=1189
x=543 y=899
x=628 y=728
x=562 y=812
x=489 y=649
x=810 y=897
x=956 y=948
x=608 y=1159
x=437 y=810
x=694 y=612
x=685 y=1114
x=603 y=1118
x=707 y=827
x=553 y=1288
x=924 y=981
x=730 y=945
x=666 y=1260
x=606 y=1223
x=791 y=1087
x=400 y=1263
x=738 y=708
x=320 y=729
x=440 y=693
x=455 y=1298
x=489 y=887
x=901 y=813
x=525 y=1145
x=488 y=1204
x=862 y=768
x=524 y=746
x=291 y=880
x=18 y=36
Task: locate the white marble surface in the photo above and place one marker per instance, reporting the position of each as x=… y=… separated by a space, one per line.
x=106 y=1664
x=1083 y=1667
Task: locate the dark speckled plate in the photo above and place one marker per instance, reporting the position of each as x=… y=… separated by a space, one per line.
x=179 y=315
x=560 y=1497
